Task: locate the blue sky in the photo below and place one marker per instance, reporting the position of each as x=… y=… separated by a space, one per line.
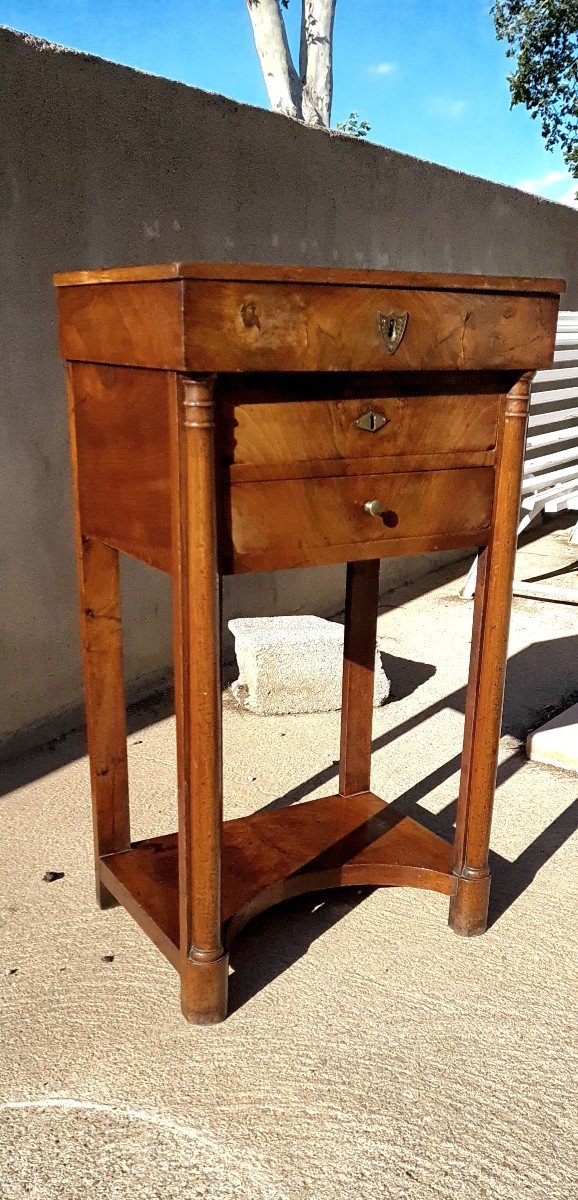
x=428 y=75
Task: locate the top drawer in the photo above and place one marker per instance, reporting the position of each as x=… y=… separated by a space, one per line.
x=286 y=327
x=206 y=325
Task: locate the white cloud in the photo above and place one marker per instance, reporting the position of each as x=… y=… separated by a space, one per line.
x=570 y=197
x=544 y=183
x=452 y=110
x=383 y=68
x=553 y=185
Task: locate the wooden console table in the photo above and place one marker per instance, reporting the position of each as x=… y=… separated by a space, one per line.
x=229 y=418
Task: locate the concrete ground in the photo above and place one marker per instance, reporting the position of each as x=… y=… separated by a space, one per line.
x=370 y=1053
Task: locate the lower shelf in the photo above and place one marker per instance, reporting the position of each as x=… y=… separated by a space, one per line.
x=276 y=854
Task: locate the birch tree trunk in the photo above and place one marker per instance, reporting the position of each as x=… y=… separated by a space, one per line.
x=316 y=60
x=305 y=95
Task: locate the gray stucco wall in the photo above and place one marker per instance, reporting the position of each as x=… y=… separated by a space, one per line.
x=101 y=165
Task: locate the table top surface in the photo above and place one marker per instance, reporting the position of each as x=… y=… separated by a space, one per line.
x=335 y=276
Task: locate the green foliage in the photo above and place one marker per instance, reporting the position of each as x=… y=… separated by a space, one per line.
x=353 y=127
x=542 y=35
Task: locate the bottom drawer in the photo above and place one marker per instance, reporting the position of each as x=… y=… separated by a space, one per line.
x=302 y=522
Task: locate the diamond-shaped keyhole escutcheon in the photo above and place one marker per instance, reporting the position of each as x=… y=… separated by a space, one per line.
x=371 y=421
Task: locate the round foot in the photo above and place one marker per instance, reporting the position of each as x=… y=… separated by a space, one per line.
x=469 y=905
x=204 y=990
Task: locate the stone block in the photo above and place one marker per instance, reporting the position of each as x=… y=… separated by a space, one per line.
x=556 y=743
x=293 y=665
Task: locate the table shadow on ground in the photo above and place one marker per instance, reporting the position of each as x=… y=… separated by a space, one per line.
x=279 y=937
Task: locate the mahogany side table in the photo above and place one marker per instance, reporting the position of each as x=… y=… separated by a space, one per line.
x=230 y=418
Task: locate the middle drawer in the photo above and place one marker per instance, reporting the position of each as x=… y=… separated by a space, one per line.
x=280 y=427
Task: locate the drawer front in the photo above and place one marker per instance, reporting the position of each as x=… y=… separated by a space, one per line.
x=277 y=426
x=301 y=522
x=299 y=327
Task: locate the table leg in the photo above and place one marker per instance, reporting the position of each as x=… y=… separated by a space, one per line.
x=103 y=672
x=197 y=656
x=361 y=600
x=485 y=692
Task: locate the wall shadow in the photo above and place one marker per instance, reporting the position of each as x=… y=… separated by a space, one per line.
x=60 y=751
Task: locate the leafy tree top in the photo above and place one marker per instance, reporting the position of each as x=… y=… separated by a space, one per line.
x=542 y=35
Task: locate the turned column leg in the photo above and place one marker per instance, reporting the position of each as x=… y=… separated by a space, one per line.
x=197 y=655
x=361 y=600
x=105 y=706
x=485 y=692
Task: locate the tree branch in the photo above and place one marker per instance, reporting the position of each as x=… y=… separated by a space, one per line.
x=283 y=84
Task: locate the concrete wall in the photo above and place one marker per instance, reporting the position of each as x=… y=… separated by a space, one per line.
x=101 y=165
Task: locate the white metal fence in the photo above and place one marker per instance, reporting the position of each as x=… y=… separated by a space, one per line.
x=550 y=480
x=551 y=466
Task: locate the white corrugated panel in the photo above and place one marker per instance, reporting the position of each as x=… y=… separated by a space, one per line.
x=553 y=427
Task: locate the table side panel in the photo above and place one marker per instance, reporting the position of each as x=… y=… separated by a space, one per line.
x=122 y=431
x=131 y=324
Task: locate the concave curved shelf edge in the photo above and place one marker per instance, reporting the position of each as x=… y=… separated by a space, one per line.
x=277 y=854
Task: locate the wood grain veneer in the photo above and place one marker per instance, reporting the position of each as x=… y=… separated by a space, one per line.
x=315 y=327
x=282 y=425
x=300 y=522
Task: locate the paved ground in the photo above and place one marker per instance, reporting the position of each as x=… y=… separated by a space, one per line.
x=371 y=1054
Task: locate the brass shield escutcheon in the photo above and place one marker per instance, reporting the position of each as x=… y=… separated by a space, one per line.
x=392 y=326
